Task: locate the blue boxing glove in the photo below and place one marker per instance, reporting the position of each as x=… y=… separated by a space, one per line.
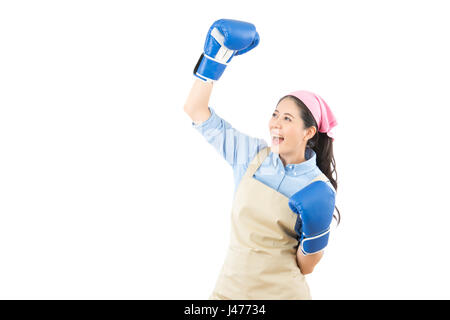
x=225 y=39
x=315 y=206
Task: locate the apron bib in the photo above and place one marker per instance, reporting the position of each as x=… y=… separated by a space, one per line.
x=261 y=261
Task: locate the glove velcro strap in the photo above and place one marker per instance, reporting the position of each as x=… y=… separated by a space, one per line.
x=310 y=245
x=209 y=68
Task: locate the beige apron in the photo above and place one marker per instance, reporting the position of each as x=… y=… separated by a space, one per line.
x=261 y=261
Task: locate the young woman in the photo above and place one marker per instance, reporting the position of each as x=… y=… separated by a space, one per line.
x=284 y=194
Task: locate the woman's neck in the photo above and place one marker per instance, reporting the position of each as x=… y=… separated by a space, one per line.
x=293 y=158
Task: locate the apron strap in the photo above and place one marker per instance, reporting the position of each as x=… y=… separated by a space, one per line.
x=256 y=162
x=324 y=178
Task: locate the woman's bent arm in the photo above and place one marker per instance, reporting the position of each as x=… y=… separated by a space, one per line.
x=196 y=105
x=308 y=262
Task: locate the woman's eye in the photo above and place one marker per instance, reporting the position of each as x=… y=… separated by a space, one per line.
x=288 y=118
x=274 y=115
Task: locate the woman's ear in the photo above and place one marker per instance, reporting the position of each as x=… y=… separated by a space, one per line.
x=310 y=132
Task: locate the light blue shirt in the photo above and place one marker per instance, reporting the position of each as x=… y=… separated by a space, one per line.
x=239 y=149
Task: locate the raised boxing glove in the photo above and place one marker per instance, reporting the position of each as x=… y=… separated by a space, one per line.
x=315 y=206
x=225 y=39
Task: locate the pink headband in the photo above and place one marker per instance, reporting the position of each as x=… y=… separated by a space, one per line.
x=321 y=111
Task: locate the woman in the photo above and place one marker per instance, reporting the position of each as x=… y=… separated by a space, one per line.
x=284 y=194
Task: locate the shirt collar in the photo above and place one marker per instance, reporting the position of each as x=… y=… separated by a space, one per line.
x=300 y=168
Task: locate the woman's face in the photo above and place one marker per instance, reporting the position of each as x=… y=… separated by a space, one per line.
x=289 y=136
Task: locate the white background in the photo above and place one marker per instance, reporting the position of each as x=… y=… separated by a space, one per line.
x=107 y=192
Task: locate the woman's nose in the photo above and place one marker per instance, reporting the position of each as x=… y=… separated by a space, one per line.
x=276 y=123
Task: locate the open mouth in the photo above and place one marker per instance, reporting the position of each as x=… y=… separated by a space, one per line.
x=276 y=140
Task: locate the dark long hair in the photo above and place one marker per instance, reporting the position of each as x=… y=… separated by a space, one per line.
x=322 y=145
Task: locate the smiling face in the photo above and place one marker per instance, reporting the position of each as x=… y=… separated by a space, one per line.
x=288 y=132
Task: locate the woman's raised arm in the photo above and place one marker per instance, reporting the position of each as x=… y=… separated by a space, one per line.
x=196 y=105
